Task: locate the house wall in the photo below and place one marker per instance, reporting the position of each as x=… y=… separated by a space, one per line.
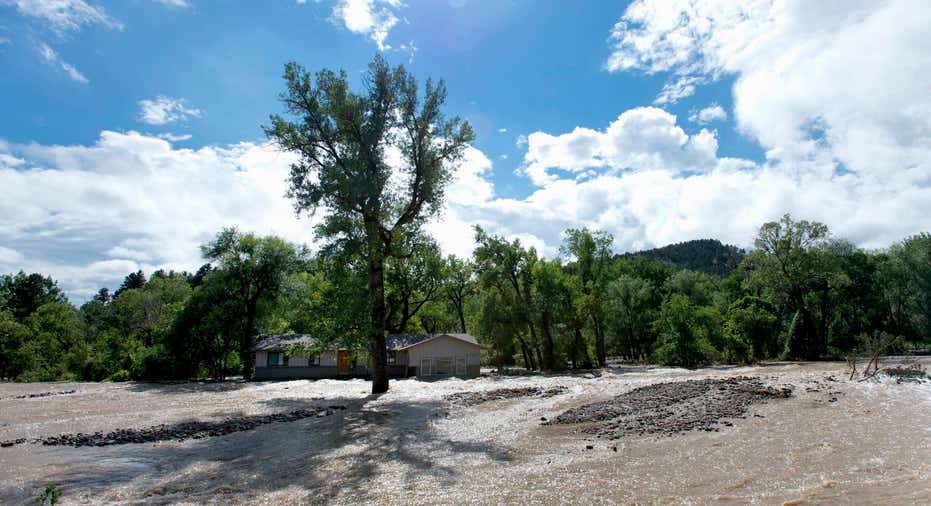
x=328 y=358
x=447 y=347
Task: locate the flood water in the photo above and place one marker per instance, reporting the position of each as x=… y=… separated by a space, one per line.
x=871 y=445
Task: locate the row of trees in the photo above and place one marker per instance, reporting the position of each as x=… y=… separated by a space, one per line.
x=799 y=294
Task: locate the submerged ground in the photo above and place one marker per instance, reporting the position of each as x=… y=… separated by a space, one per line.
x=830 y=441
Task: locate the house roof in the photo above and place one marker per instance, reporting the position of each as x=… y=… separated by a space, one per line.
x=278 y=342
x=404 y=341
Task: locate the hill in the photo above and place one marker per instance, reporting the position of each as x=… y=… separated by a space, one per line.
x=706 y=255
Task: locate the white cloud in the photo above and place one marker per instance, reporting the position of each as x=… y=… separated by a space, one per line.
x=502 y=130
x=503 y=156
x=51 y=57
x=713 y=112
x=373 y=18
x=640 y=138
x=64 y=15
x=521 y=141
x=174 y=3
x=674 y=91
x=9 y=256
x=170 y=137
x=88 y=215
x=164 y=110
x=842 y=81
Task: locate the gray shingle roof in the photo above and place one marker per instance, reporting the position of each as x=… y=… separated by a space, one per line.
x=277 y=342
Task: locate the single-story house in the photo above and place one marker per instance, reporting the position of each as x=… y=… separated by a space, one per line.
x=421 y=355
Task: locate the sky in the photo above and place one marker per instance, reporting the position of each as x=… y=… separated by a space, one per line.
x=131 y=130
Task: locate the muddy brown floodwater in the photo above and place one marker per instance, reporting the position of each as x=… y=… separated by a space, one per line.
x=832 y=441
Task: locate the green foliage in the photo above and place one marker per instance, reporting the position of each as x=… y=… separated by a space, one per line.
x=121 y=375
x=50 y=494
x=344 y=140
x=750 y=331
x=22 y=294
x=686 y=332
x=630 y=315
x=706 y=255
x=251 y=270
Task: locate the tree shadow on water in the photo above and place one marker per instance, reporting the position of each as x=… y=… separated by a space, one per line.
x=310 y=460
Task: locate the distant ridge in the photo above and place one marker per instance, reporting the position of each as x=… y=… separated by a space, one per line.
x=706 y=255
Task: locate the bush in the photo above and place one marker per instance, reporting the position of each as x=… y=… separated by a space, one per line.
x=121 y=375
x=686 y=332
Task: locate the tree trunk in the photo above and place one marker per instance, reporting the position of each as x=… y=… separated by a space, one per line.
x=245 y=341
x=548 y=362
x=462 y=325
x=599 y=342
x=378 y=350
x=528 y=357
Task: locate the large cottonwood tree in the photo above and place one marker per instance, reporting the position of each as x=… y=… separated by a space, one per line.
x=344 y=140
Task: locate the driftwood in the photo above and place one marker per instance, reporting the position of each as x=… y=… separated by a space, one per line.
x=876 y=346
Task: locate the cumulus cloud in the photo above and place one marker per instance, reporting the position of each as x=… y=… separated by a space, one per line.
x=713 y=112
x=807 y=76
x=51 y=57
x=372 y=18
x=64 y=15
x=88 y=215
x=163 y=110
x=640 y=138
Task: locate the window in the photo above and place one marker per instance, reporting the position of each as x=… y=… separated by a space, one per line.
x=277 y=359
x=392 y=357
x=313 y=360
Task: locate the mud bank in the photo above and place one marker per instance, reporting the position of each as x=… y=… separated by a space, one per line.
x=475 y=398
x=673 y=407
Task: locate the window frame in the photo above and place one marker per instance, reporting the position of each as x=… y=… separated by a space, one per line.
x=281 y=356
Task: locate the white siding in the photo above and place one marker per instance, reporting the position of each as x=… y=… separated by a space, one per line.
x=328 y=358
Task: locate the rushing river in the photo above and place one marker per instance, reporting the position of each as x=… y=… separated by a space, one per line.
x=871 y=444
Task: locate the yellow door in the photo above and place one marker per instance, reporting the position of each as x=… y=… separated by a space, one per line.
x=343 y=362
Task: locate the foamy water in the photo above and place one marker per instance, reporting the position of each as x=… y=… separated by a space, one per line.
x=873 y=445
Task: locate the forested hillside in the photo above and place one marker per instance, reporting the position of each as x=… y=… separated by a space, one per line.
x=706 y=255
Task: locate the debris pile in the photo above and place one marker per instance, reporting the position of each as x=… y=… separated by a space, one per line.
x=177 y=432
x=473 y=398
x=672 y=408
x=41 y=394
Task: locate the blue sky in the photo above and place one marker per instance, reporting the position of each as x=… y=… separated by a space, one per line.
x=131 y=129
